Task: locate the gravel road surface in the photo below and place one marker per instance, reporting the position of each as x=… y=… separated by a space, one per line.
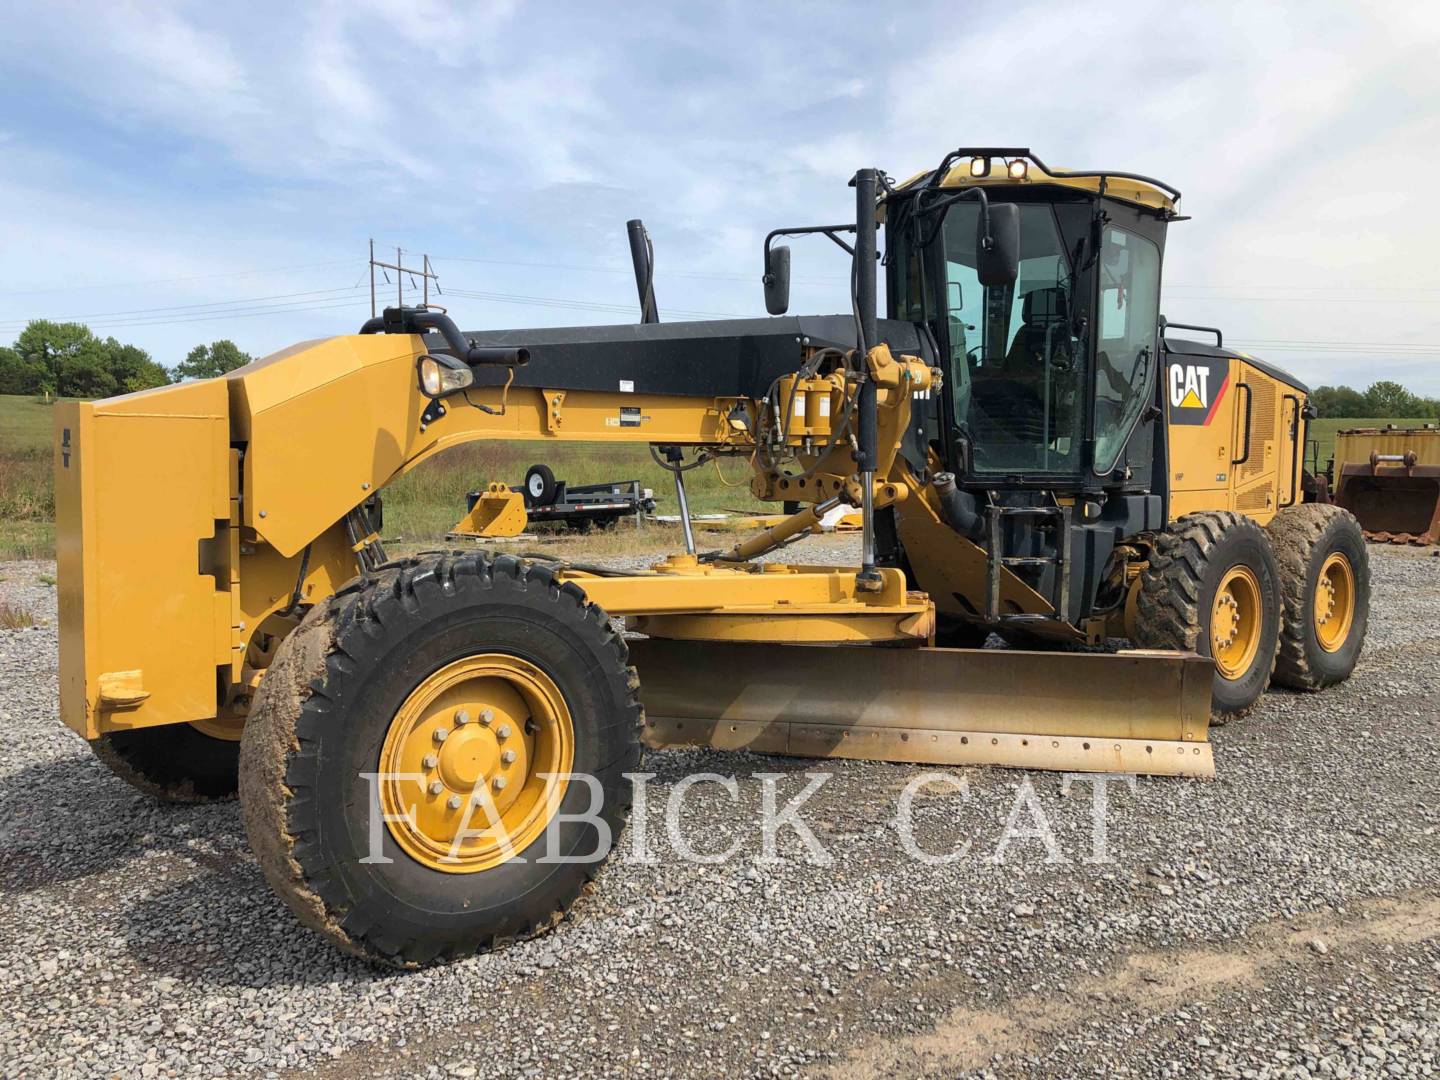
x=1283 y=920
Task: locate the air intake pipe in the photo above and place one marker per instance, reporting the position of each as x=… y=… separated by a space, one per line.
x=418 y=321
x=958 y=507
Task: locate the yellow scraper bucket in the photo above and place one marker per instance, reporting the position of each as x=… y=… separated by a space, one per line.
x=497 y=511
x=1138 y=711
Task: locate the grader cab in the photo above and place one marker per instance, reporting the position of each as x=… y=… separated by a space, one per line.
x=1032 y=452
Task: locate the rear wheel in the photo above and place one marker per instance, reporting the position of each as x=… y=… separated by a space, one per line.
x=183 y=763
x=1325 y=582
x=1212 y=587
x=435 y=760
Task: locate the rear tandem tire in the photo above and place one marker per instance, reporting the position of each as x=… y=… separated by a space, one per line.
x=1320 y=546
x=1204 y=563
x=362 y=683
x=174 y=763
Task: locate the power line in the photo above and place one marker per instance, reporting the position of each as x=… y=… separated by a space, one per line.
x=578 y=305
x=173 y=280
x=275 y=309
x=1346 y=289
x=176 y=307
x=704 y=275
x=1171 y=295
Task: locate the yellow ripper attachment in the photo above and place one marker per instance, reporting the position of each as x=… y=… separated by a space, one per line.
x=1139 y=711
x=497 y=512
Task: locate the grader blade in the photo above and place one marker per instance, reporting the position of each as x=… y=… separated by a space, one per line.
x=1138 y=711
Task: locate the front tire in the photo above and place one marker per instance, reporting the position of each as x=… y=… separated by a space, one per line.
x=361 y=715
x=1325 y=582
x=1212 y=587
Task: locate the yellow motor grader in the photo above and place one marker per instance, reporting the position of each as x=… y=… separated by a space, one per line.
x=431 y=751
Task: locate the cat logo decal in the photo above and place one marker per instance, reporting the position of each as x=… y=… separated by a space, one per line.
x=1195 y=389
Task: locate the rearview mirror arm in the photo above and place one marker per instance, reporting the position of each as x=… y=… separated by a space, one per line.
x=942 y=206
x=809 y=230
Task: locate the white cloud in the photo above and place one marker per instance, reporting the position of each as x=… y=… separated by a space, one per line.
x=1300 y=133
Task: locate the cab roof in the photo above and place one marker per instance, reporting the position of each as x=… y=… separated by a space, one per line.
x=1126 y=187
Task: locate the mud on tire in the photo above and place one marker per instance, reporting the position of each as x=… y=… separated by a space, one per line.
x=1188 y=561
x=321 y=717
x=1306 y=538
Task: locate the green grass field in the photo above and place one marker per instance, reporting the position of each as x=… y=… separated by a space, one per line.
x=27 y=493
x=420 y=507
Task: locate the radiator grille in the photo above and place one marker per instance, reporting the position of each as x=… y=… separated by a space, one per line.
x=1262 y=425
x=1257 y=498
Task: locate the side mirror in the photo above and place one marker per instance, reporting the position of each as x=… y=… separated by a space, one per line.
x=999 y=262
x=777 y=280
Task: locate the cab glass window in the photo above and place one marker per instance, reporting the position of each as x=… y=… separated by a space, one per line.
x=1017 y=372
x=1125 y=352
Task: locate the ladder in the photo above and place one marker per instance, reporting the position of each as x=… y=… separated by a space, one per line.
x=1060 y=595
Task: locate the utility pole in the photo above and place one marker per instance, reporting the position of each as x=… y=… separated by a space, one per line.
x=425 y=274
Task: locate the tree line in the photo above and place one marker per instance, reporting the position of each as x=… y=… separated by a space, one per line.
x=1384 y=400
x=51 y=359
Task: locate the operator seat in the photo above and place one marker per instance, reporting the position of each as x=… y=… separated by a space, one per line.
x=1010 y=400
x=1044 y=314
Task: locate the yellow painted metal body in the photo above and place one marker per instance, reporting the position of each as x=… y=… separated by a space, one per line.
x=497 y=512
x=1236 y=438
x=176 y=590
x=144 y=513
x=1126 y=189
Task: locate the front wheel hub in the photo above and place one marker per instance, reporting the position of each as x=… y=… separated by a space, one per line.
x=475 y=763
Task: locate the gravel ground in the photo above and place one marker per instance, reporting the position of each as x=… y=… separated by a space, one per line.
x=1283 y=920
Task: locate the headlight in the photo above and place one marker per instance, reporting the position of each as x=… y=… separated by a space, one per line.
x=441 y=375
x=1018 y=169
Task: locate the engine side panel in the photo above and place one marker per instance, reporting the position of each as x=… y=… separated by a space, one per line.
x=1235 y=435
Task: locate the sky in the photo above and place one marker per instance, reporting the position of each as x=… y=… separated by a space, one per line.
x=173 y=173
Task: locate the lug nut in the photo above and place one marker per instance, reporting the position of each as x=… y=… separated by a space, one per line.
x=441 y=734
x=503 y=731
x=436 y=787
x=431 y=761
x=487 y=715
x=461 y=717
x=499 y=783
x=508 y=757
x=453 y=802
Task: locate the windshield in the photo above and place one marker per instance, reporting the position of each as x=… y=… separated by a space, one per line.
x=1017 y=373
x=1125 y=353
